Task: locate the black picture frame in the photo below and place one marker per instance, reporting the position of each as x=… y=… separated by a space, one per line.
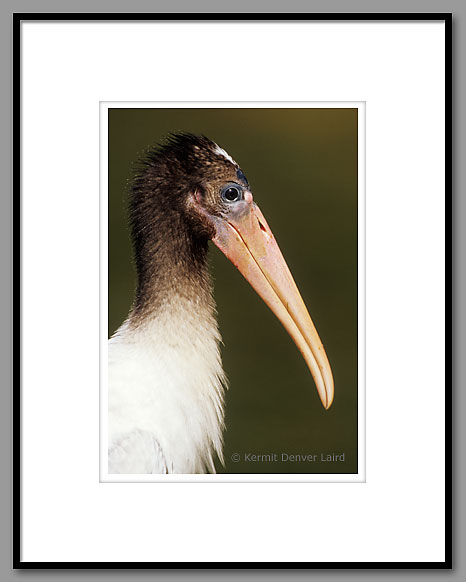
x=18 y=18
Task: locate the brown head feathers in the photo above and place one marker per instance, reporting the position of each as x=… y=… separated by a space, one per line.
x=169 y=237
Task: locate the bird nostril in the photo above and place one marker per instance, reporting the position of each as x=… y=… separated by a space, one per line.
x=262 y=227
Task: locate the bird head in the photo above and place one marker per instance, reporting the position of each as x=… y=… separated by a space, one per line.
x=208 y=191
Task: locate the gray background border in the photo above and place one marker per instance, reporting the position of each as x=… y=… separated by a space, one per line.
x=7 y=7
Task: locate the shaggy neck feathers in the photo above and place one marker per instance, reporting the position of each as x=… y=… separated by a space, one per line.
x=170 y=251
x=166 y=356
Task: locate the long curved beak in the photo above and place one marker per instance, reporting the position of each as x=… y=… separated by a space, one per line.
x=248 y=242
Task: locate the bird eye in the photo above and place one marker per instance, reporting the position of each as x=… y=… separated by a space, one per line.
x=231 y=193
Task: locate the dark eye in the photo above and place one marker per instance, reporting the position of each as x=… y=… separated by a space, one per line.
x=231 y=193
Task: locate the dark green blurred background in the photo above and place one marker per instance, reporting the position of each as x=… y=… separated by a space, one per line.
x=302 y=167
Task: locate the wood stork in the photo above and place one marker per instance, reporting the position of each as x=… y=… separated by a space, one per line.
x=166 y=382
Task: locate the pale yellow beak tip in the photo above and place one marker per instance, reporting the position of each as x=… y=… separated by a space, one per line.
x=329 y=403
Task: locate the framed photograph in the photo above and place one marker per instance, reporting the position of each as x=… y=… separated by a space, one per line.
x=273 y=428
x=233 y=271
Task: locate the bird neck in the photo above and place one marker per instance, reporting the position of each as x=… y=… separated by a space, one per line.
x=172 y=269
x=170 y=344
